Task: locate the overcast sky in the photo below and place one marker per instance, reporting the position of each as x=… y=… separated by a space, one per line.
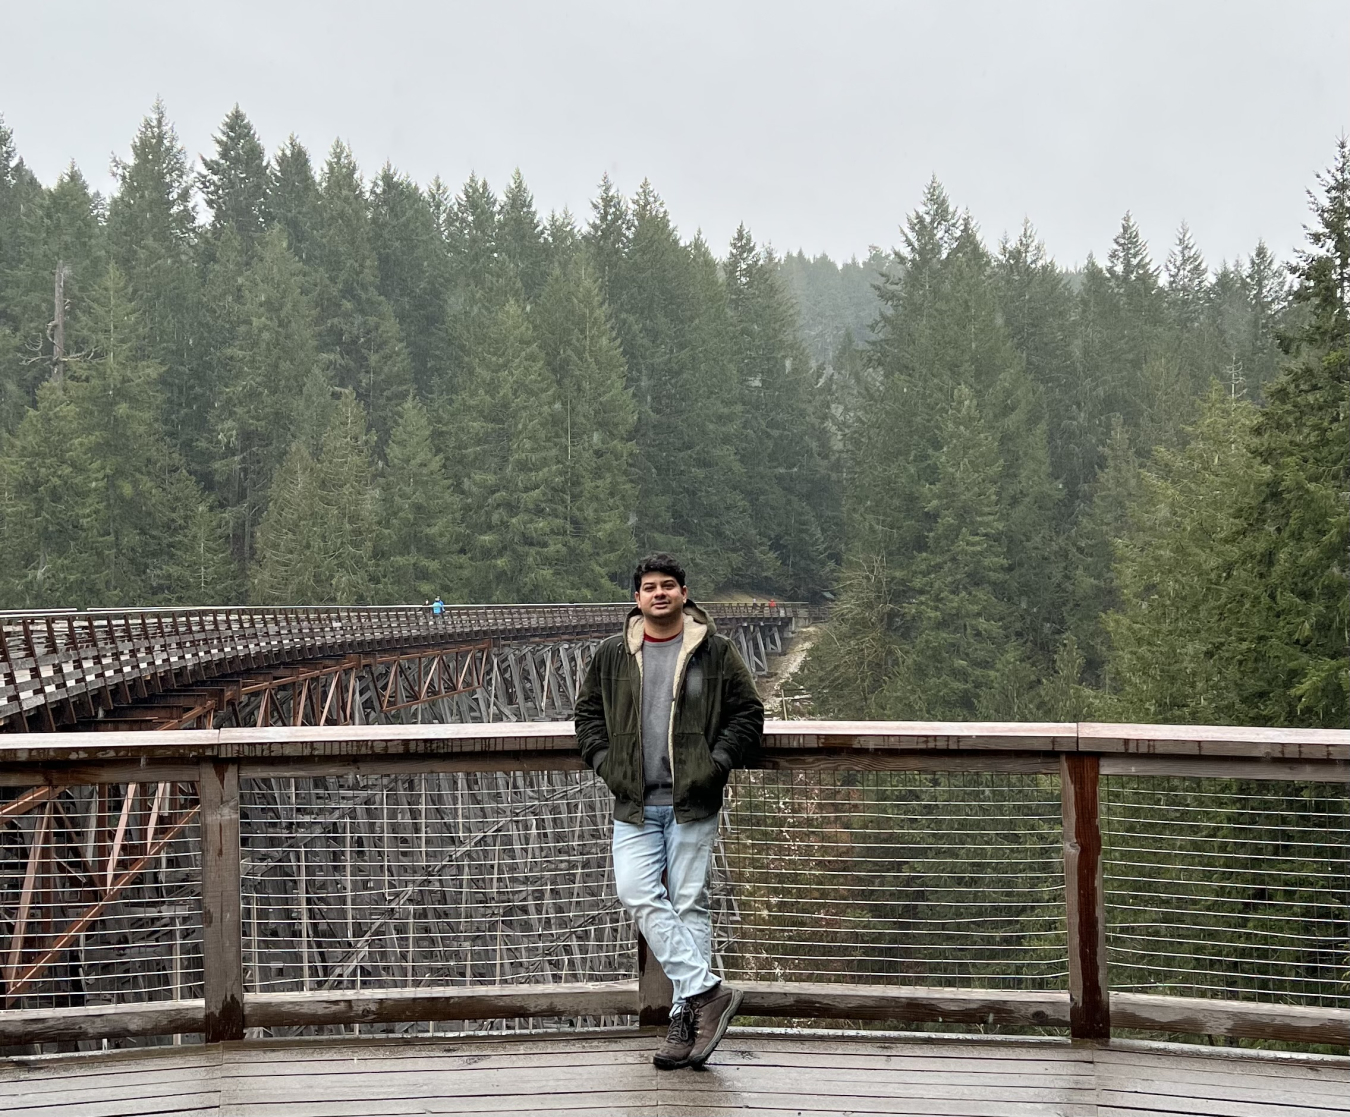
x=817 y=124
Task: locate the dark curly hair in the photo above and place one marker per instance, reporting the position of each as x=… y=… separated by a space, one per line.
x=658 y=562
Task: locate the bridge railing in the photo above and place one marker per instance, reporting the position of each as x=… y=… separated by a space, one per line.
x=1085 y=877
x=62 y=666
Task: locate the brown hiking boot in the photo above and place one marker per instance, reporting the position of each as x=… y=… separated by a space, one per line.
x=713 y=1010
x=674 y=1053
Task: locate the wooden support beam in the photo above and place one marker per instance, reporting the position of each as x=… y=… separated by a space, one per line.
x=1085 y=899
x=24 y=803
x=32 y=886
x=48 y=1025
x=1238 y=1019
x=222 y=928
x=462 y=1002
x=905 y=1004
x=1227 y=768
x=822 y=1001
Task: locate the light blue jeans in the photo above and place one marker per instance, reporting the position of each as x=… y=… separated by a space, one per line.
x=676 y=923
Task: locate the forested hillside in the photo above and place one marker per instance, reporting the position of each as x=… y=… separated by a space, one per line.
x=276 y=381
x=1123 y=496
x=1031 y=493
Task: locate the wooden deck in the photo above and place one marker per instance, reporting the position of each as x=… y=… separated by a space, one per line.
x=802 y=1074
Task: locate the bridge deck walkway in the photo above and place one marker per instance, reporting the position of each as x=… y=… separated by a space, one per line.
x=804 y=1073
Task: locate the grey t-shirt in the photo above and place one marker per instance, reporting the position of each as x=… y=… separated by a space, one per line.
x=659 y=658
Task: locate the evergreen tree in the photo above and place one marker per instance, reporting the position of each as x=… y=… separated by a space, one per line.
x=784 y=448
x=315 y=542
x=419 y=553
x=293 y=202
x=152 y=234
x=607 y=240
x=478 y=281
x=508 y=468
x=941 y=338
x=673 y=324
x=1092 y=589
x=1187 y=280
x=414 y=272
x=358 y=334
x=1233 y=578
x=1173 y=656
x=1119 y=328
x=952 y=625
x=1037 y=309
x=1300 y=530
x=585 y=362
x=520 y=240
x=905 y=394
x=44 y=501
x=118 y=535
x=562 y=241
x=235 y=183
x=264 y=368
x=833 y=300
x=1064 y=697
x=855 y=657
x=1267 y=298
x=57 y=228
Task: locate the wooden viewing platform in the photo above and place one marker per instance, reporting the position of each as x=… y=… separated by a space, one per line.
x=1091 y=1068
x=807 y=1074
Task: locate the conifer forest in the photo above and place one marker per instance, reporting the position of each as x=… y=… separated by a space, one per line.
x=1116 y=491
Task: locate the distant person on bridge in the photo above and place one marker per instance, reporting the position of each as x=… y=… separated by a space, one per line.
x=437 y=606
x=667 y=710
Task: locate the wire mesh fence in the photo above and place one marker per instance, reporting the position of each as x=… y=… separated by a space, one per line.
x=1228 y=888
x=100 y=896
x=901 y=878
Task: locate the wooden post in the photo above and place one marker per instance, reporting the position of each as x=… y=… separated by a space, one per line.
x=222 y=930
x=655 y=992
x=1084 y=896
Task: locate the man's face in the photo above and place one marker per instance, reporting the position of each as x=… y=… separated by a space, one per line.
x=660 y=596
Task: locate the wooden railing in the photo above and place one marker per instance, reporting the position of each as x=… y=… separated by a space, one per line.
x=1079 y=754
x=63 y=666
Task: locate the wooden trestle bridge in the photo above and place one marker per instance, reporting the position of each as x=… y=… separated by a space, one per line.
x=359 y=869
x=206 y=668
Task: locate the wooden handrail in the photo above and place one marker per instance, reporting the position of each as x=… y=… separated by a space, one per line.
x=1016 y=746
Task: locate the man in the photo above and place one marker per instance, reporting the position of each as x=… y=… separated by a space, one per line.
x=667 y=710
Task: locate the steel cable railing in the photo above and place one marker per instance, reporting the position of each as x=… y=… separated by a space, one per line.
x=1228 y=888
x=947 y=879
x=363 y=872
x=482 y=878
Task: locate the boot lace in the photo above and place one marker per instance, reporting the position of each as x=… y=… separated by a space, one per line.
x=681 y=1025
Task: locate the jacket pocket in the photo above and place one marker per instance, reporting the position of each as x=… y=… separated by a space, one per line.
x=701 y=776
x=622 y=768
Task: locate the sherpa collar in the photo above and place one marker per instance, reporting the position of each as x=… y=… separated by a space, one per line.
x=697 y=625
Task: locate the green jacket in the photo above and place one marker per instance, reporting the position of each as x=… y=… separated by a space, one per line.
x=716 y=723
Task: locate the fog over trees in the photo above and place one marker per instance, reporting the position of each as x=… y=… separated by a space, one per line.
x=1115 y=491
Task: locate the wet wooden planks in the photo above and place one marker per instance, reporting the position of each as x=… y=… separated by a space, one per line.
x=164 y=1082
x=754 y=1073
x=1135 y=1081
